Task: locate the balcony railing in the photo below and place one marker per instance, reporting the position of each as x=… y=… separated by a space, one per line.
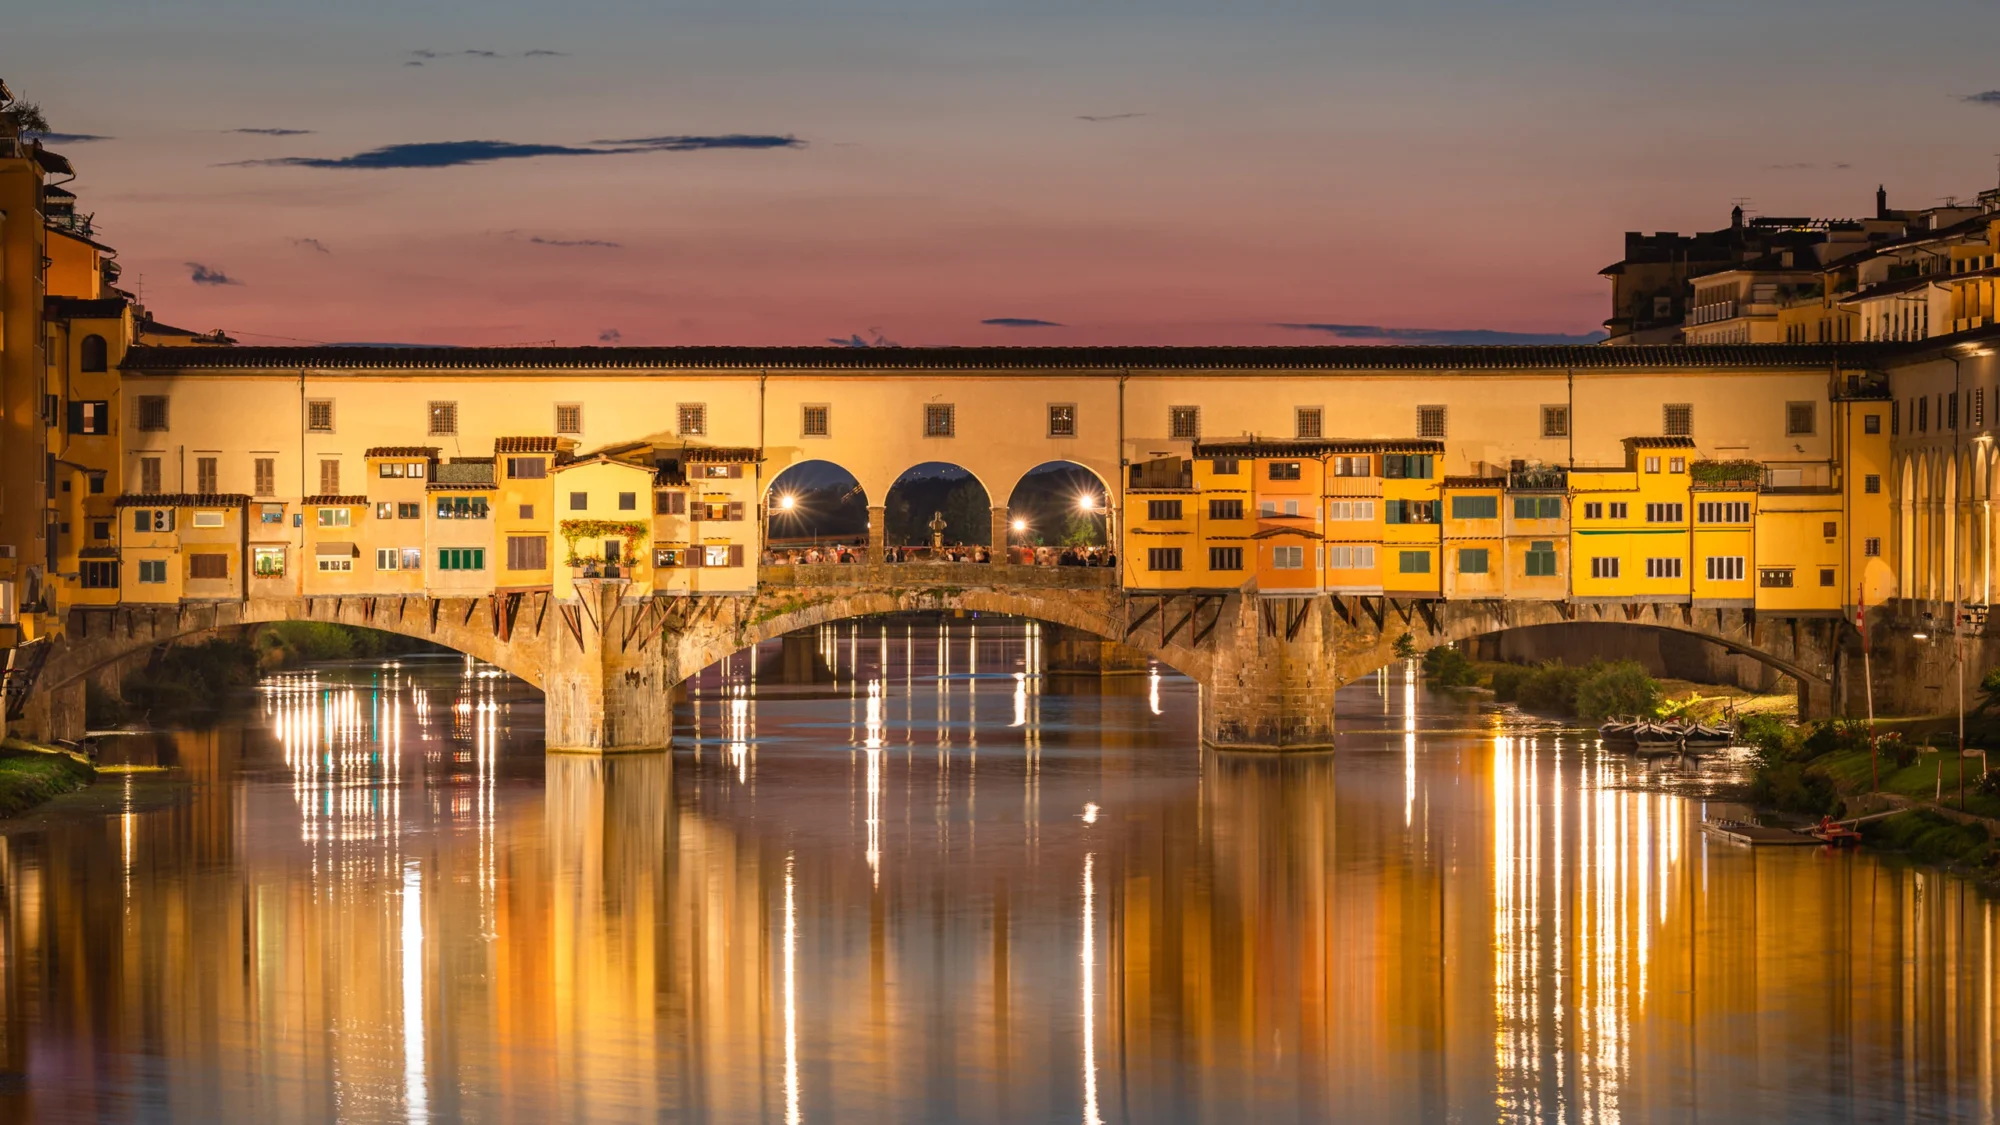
x=1709 y=314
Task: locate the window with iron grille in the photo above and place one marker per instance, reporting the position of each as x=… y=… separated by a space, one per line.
x=527 y=552
x=691 y=418
x=1430 y=421
x=266 y=476
x=1163 y=558
x=1725 y=568
x=1062 y=419
x=443 y=419
x=1896 y=417
x=1801 y=418
x=940 y=419
x=1871 y=548
x=1667 y=567
x=1309 y=423
x=816 y=420
x=1951 y=411
x=329 y=477
x=1225 y=558
x=1555 y=421
x=1225 y=509
x=1163 y=509
x=208 y=565
x=1830 y=530
x=1872 y=483
x=569 y=418
x=205 y=475
x=152 y=412
x=1677 y=419
x=1184 y=422
x=319 y=415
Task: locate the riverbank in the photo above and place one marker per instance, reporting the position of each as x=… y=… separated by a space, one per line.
x=31 y=774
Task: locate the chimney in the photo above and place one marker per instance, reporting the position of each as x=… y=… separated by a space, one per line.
x=1881 y=202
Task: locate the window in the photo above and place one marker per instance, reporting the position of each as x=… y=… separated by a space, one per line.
x=1723 y=511
x=385 y=510
x=1775 y=578
x=815 y=420
x=204 y=475
x=1677 y=464
x=1406 y=466
x=153 y=572
x=1472 y=560
x=578 y=501
x=265 y=562
x=413 y=558
x=940 y=419
x=628 y=501
x=1950 y=411
x=1062 y=419
x=1541 y=558
x=1979 y=406
x=265 y=476
x=149 y=475
x=1356 y=466
x=1725 y=568
x=1830 y=530
x=417 y=470
x=96 y=481
x=461 y=507
x=1872 y=483
x=100 y=529
x=1284 y=470
x=1346 y=510
x=208 y=519
x=152 y=519
x=1677 y=419
x=461 y=558
x=1308 y=423
x=1666 y=513
x=1896 y=417
x=1663 y=568
x=723 y=556
x=270 y=513
x=93 y=354
x=692 y=419
x=1478 y=507
x=1871 y=423
x=208 y=565
x=1555 y=421
x=669 y=503
x=1593 y=511
x=527 y=468
x=1618 y=509
x=1603 y=567
x=1652 y=464
x=410 y=510
x=389 y=470
x=388 y=558
x=1351 y=558
x=319 y=415
x=527 y=511
x=89 y=417
x=99 y=574
x=1288 y=558
x=335 y=563
x=1225 y=558
x=1923 y=413
x=152 y=413
x=1163 y=509
x=527 y=552
x=329 y=478
x=569 y=418
x=1225 y=509
x=335 y=517
x=1538 y=507
x=1409 y=511
x=1826 y=576
x=1184 y=422
x=1430 y=421
x=1871 y=548
x=1413 y=562
x=443 y=419
x=1163 y=558
x=1800 y=418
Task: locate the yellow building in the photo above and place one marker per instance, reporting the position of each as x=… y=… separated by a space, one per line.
x=706 y=540
x=523 y=507
x=604 y=525
x=458 y=538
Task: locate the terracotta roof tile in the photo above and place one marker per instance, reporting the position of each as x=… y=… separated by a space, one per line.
x=427 y=451
x=181 y=500
x=330 y=500
x=524 y=445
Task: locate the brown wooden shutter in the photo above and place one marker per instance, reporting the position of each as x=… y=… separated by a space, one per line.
x=663 y=504
x=696 y=512
x=692 y=556
x=736 y=554
x=735 y=472
x=680 y=502
x=736 y=509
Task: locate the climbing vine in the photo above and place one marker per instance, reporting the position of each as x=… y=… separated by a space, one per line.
x=631 y=532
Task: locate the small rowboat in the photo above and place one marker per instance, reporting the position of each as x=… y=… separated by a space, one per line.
x=1617 y=734
x=1657 y=738
x=1707 y=737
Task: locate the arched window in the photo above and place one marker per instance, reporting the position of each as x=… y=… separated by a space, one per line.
x=96 y=356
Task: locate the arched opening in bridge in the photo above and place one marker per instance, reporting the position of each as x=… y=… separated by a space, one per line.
x=1666 y=653
x=937 y=502
x=1060 y=504
x=815 y=503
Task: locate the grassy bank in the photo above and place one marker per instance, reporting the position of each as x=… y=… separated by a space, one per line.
x=31 y=774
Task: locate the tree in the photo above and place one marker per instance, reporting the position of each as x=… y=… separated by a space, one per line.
x=1080 y=530
x=26 y=117
x=968 y=518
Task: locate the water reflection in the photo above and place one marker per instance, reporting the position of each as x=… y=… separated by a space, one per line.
x=376 y=900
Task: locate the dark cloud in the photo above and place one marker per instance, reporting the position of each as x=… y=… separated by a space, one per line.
x=605 y=243
x=422 y=55
x=311 y=244
x=610 y=336
x=1020 y=322
x=448 y=154
x=272 y=132
x=1107 y=116
x=543 y=53
x=1798 y=166
x=1983 y=97
x=876 y=340
x=64 y=138
x=208 y=275
x=1377 y=334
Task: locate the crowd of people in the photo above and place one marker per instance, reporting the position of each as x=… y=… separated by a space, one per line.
x=843 y=553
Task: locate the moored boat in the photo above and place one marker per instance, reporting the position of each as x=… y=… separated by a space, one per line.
x=1705 y=737
x=1657 y=738
x=1618 y=734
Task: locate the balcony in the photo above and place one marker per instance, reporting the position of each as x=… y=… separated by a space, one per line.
x=919 y=575
x=1709 y=314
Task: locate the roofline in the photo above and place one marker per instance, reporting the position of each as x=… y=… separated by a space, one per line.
x=290 y=361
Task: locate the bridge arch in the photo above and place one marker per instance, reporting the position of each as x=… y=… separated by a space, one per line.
x=818 y=500
x=1054 y=497
x=944 y=487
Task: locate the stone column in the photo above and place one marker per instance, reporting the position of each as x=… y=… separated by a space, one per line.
x=878 y=533
x=1003 y=531
x=1270 y=692
x=603 y=694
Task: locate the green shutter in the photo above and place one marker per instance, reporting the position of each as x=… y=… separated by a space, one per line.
x=1551 y=508
x=1472 y=560
x=1415 y=562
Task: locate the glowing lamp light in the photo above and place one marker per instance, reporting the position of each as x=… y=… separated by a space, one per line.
x=785 y=503
x=1086 y=502
x=1020 y=525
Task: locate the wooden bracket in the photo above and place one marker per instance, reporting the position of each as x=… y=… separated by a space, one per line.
x=1133 y=626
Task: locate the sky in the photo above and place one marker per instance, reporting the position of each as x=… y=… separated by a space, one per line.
x=960 y=172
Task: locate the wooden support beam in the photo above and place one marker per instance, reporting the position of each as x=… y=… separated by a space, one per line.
x=435 y=606
x=1132 y=627
x=1428 y=611
x=1201 y=634
x=1372 y=606
x=1170 y=634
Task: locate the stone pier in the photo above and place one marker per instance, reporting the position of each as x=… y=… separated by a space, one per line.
x=604 y=692
x=1274 y=674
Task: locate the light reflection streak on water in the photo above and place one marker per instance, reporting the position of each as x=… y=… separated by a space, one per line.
x=414 y=1093
x=1153 y=691
x=872 y=743
x=1089 y=958
x=792 y=1116
x=1409 y=740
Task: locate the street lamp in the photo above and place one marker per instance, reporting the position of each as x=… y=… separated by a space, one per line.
x=786 y=503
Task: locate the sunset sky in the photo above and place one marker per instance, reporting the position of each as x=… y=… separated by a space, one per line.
x=963 y=172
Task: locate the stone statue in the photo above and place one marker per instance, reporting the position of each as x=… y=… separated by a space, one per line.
x=937 y=526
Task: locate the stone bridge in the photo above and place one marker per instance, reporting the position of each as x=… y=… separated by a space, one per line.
x=608 y=663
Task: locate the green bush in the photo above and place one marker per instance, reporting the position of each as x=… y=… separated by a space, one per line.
x=1617 y=689
x=189 y=679
x=1796 y=788
x=1506 y=682
x=1550 y=687
x=1406 y=647
x=1448 y=667
x=285 y=644
x=1772 y=737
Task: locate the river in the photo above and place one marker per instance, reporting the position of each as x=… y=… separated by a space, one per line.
x=913 y=881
